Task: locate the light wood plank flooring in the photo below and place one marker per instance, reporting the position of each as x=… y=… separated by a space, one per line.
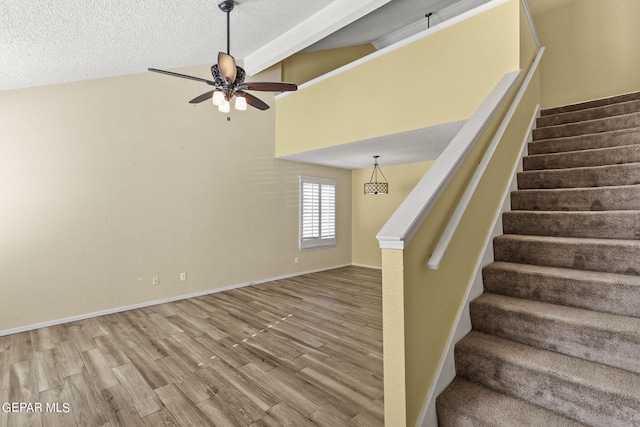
x=304 y=351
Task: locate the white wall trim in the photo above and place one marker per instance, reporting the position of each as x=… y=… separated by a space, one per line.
x=329 y=19
x=446 y=369
x=438 y=17
x=434 y=29
x=373 y=267
x=156 y=302
x=527 y=11
x=461 y=208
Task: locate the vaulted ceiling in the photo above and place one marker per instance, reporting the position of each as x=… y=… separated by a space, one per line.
x=46 y=42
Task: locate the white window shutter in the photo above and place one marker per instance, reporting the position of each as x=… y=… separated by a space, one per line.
x=317 y=212
x=328 y=211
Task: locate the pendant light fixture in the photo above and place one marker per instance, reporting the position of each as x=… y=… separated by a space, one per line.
x=374 y=186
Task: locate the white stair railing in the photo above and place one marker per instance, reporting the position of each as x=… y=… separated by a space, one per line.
x=456 y=217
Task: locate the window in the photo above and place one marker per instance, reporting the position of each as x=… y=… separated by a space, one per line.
x=317 y=212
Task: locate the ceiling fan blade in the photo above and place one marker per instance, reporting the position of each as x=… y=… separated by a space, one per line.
x=269 y=86
x=254 y=101
x=184 y=76
x=227 y=67
x=203 y=97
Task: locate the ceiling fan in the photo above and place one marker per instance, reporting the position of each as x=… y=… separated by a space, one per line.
x=228 y=80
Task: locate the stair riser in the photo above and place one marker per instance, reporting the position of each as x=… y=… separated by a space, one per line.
x=599 y=225
x=601 y=176
x=578 y=159
x=588 y=199
x=589 y=114
x=617 y=256
x=592 y=104
x=626 y=121
x=585 y=142
x=560 y=325
x=581 y=401
x=596 y=343
x=485 y=407
x=615 y=295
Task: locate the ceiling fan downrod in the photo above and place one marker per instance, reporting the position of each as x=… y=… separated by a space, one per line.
x=228 y=79
x=227 y=6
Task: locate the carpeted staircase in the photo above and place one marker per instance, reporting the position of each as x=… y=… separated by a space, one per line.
x=556 y=335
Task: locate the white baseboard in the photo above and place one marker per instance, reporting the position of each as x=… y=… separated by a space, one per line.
x=373 y=267
x=156 y=302
x=446 y=370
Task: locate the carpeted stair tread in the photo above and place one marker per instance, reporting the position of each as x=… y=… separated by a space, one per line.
x=623 y=197
x=584 y=158
x=592 y=113
x=591 y=104
x=599 y=337
x=624 y=224
x=595 y=176
x=585 y=142
x=607 y=255
x=625 y=121
x=482 y=406
x=589 y=392
x=604 y=292
x=558 y=324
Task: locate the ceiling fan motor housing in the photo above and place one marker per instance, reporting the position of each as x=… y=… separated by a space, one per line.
x=228 y=79
x=215 y=72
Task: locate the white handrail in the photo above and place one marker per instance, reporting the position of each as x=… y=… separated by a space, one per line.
x=456 y=217
x=406 y=220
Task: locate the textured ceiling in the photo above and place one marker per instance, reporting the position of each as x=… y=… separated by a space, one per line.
x=45 y=42
x=51 y=41
x=395 y=21
x=418 y=145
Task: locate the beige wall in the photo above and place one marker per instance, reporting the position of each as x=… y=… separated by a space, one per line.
x=437 y=79
x=370 y=212
x=592 y=49
x=107 y=183
x=433 y=298
x=304 y=66
x=420 y=305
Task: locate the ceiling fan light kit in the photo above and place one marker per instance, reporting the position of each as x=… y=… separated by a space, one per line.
x=241 y=103
x=228 y=80
x=218 y=98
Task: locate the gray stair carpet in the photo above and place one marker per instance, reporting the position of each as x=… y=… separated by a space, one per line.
x=556 y=333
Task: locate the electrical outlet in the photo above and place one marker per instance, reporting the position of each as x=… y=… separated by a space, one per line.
x=183 y=277
x=156 y=280
x=295 y=260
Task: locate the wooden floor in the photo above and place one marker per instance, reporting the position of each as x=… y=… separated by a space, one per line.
x=298 y=352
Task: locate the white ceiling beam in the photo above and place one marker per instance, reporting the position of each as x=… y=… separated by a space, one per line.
x=330 y=19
